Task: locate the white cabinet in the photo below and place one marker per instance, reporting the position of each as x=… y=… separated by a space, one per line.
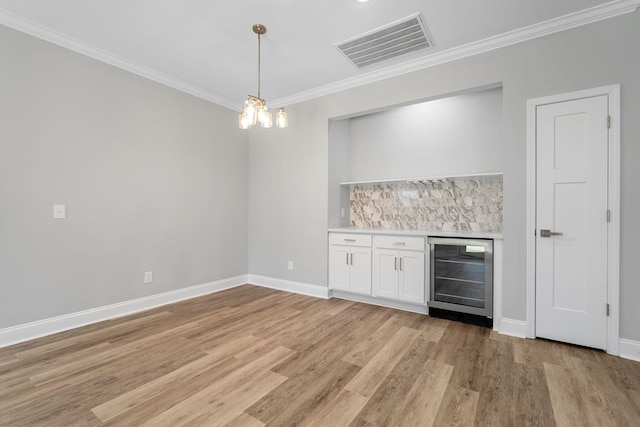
x=399 y=268
x=350 y=263
x=394 y=269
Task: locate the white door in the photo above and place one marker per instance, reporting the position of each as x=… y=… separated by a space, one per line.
x=571 y=221
x=412 y=285
x=340 y=269
x=385 y=273
x=360 y=260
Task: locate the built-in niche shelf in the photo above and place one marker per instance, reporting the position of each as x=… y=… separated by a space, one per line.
x=419 y=180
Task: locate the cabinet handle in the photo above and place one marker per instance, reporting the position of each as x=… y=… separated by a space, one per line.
x=400 y=264
x=351 y=259
x=349 y=240
x=400 y=243
x=347 y=258
x=395 y=263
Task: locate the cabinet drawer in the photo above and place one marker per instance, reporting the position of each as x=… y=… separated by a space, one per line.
x=350 y=239
x=399 y=242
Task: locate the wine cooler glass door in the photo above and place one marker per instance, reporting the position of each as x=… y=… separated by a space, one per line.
x=462 y=275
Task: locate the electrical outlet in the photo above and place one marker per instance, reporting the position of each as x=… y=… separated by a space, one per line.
x=59 y=212
x=148 y=276
x=290 y=265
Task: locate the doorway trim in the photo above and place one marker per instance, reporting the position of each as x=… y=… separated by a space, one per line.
x=613 y=228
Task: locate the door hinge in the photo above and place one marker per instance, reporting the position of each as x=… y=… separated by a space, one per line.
x=608 y=215
x=607 y=309
x=608 y=122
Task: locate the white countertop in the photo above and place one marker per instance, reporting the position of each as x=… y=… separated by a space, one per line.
x=424 y=233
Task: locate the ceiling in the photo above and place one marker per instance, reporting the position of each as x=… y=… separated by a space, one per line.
x=207 y=48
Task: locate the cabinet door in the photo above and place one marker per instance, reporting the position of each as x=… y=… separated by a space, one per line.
x=361 y=270
x=412 y=273
x=339 y=268
x=385 y=273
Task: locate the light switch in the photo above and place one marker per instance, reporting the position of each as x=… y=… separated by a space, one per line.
x=59 y=212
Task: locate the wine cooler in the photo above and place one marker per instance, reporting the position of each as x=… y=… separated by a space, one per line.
x=462 y=276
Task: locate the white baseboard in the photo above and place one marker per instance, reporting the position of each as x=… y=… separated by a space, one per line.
x=289 y=286
x=40 y=328
x=513 y=327
x=630 y=349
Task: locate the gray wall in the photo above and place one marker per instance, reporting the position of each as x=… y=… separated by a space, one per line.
x=288 y=198
x=457 y=135
x=339 y=172
x=290 y=222
x=153 y=179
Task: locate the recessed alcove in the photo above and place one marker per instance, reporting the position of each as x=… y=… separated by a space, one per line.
x=451 y=137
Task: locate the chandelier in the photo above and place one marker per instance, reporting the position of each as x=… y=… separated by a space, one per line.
x=255 y=108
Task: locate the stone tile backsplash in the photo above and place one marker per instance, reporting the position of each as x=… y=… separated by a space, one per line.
x=471 y=203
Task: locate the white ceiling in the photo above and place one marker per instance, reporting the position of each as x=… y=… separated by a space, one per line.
x=207 y=48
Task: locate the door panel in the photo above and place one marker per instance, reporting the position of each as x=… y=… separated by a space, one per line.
x=571 y=173
x=386 y=273
x=341 y=271
x=569 y=135
x=412 y=285
x=569 y=282
x=361 y=270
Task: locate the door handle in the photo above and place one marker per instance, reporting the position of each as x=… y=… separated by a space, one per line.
x=549 y=233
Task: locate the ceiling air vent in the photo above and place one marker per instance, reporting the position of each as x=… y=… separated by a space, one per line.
x=395 y=39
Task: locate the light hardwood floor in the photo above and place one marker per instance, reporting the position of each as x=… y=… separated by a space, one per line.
x=251 y=356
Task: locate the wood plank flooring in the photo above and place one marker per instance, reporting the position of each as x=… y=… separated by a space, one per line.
x=251 y=356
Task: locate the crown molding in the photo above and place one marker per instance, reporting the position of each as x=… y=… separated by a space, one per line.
x=566 y=22
x=576 y=19
x=45 y=33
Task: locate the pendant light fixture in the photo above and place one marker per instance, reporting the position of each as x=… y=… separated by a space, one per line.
x=255 y=108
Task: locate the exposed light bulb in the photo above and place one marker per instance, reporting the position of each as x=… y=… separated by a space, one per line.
x=267 y=119
x=243 y=122
x=281 y=118
x=250 y=111
x=262 y=112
